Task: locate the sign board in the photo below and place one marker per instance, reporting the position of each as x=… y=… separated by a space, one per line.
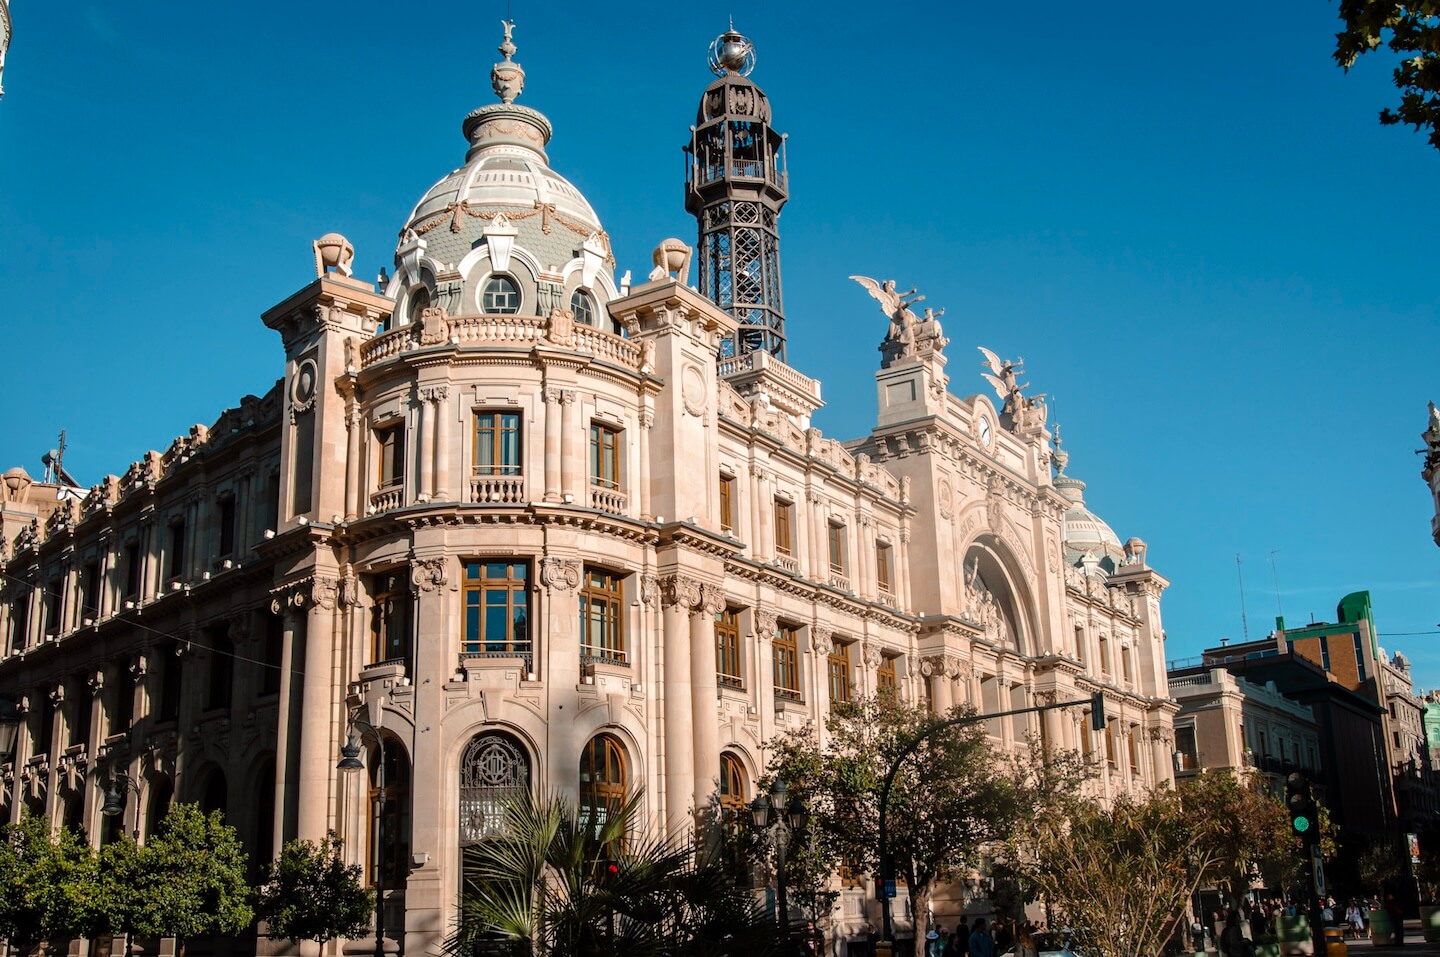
x=1318 y=863
x=1413 y=842
x=887 y=889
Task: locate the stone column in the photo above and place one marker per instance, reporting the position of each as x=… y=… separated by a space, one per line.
x=765 y=512
x=317 y=750
x=678 y=594
x=552 y=444
x=642 y=485
x=570 y=469
x=422 y=453
x=285 y=715
x=440 y=396
x=353 y=492
x=705 y=692
x=942 y=697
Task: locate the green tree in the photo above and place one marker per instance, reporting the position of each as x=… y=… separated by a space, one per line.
x=1411 y=30
x=310 y=893
x=952 y=801
x=50 y=882
x=191 y=878
x=554 y=884
x=119 y=899
x=1121 y=877
x=1380 y=868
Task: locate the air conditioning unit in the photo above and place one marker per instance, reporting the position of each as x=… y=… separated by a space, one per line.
x=227 y=564
x=176 y=586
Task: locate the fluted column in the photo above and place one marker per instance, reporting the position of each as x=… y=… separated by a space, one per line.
x=284 y=717
x=676 y=598
x=570 y=468
x=765 y=502
x=552 y=444
x=440 y=397
x=317 y=714
x=353 y=492
x=647 y=421
x=705 y=692
x=423 y=454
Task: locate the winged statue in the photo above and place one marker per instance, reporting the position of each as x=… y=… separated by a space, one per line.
x=895 y=305
x=1004 y=377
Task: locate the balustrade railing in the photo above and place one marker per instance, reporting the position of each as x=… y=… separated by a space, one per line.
x=607 y=500
x=786 y=563
x=499 y=489
x=385 y=499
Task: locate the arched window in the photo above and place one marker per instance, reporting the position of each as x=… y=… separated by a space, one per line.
x=493 y=772
x=216 y=796
x=583 y=306
x=734 y=811
x=501 y=296
x=390 y=797
x=419 y=302
x=602 y=779
x=161 y=792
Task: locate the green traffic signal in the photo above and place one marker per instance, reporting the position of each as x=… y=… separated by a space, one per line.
x=1301 y=824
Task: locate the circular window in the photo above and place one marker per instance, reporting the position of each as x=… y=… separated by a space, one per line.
x=501 y=296
x=305 y=378
x=584 y=307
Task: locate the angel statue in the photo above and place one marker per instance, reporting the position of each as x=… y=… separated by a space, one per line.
x=1005 y=378
x=896 y=306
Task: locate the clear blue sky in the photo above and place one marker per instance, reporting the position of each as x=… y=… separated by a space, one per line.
x=1185 y=218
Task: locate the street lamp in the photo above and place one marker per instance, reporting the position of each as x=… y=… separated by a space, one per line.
x=350 y=763
x=114 y=806
x=789 y=818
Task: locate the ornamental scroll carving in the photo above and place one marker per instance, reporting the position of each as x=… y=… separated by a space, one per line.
x=650 y=591
x=434 y=394
x=682 y=590
x=428 y=574
x=434 y=326
x=562 y=574
x=323 y=591
x=765 y=622
x=870 y=654
x=822 y=639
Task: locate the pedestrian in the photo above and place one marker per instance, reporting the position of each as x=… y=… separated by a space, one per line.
x=1397 y=919
x=1355 y=919
x=980 y=943
x=951 y=947
x=1232 y=938
x=1327 y=913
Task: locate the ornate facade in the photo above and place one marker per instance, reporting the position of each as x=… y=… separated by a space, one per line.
x=540 y=530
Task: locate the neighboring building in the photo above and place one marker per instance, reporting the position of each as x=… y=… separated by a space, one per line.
x=1430 y=471
x=548 y=532
x=1416 y=798
x=1228 y=723
x=4 y=39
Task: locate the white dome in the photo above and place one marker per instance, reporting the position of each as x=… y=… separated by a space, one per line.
x=1084 y=532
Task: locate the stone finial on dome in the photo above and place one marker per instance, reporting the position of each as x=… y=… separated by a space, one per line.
x=1061 y=457
x=507 y=77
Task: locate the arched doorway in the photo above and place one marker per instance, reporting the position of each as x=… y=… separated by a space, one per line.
x=991 y=597
x=604 y=773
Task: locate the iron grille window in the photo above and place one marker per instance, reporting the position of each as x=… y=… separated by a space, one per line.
x=602 y=629
x=787 y=662
x=837 y=666
x=497 y=443
x=604 y=456
x=501 y=296
x=497 y=609
x=727 y=648
x=494 y=772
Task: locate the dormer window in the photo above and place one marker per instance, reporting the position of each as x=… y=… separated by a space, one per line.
x=583 y=306
x=501 y=296
x=419 y=302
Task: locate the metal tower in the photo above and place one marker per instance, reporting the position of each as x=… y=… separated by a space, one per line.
x=735 y=186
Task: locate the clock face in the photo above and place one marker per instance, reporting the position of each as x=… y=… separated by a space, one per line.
x=986 y=436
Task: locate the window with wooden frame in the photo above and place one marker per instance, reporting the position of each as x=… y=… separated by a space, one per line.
x=176 y=563
x=602 y=619
x=392 y=858
x=604 y=455
x=390 y=616
x=603 y=774
x=727 y=649
x=1132 y=745
x=390 y=445
x=497 y=609
x=784 y=527
x=1111 y=758
x=886 y=680
x=226 y=517
x=497 y=443
x=882 y=566
x=787 y=662
x=727 y=503
x=734 y=813
x=837 y=667
x=836 y=538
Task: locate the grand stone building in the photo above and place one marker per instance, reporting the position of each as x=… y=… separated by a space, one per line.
x=517 y=526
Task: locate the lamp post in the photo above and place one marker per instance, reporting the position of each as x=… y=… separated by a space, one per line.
x=121 y=783
x=349 y=763
x=789 y=818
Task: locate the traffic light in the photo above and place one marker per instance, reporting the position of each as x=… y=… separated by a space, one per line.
x=1097 y=711
x=1300 y=802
